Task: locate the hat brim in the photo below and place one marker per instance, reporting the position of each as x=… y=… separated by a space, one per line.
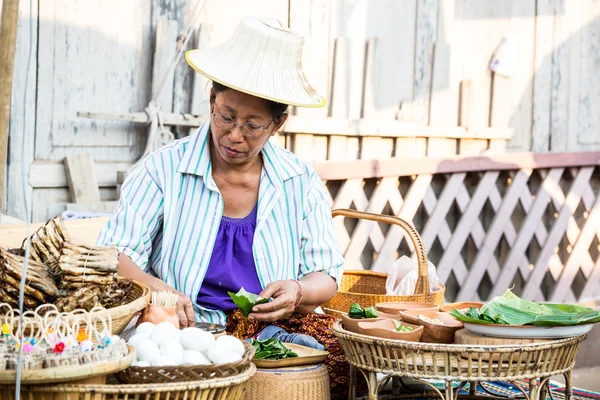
x=302 y=94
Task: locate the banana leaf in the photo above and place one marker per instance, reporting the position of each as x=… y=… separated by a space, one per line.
x=510 y=309
x=245 y=301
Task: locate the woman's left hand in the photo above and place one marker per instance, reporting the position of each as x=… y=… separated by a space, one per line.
x=285 y=295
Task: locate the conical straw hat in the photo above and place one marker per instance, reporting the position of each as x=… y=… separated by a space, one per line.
x=262 y=58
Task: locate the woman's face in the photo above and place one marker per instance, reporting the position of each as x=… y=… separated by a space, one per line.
x=231 y=145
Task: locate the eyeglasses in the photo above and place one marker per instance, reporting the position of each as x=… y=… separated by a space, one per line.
x=250 y=130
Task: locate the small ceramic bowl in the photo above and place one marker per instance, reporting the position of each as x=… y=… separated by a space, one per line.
x=461 y=306
x=433 y=333
x=351 y=324
x=395 y=306
x=383 y=315
x=386 y=329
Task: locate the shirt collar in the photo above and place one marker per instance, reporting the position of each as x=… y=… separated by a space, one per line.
x=279 y=164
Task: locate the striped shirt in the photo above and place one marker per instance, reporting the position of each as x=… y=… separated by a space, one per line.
x=170 y=209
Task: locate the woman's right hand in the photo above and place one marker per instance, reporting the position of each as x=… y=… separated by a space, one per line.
x=185 y=311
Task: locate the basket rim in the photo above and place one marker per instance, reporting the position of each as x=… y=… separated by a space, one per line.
x=342 y=333
x=441 y=289
x=136 y=373
x=133 y=388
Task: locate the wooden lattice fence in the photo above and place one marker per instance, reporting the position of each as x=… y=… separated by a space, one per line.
x=528 y=221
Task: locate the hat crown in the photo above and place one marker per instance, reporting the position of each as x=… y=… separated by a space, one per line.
x=263 y=57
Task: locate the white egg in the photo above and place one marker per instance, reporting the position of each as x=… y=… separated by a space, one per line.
x=232 y=343
x=163 y=332
x=172 y=348
x=163 y=361
x=140 y=364
x=196 y=339
x=145 y=329
x=178 y=335
x=193 y=357
x=147 y=350
x=221 y=355
x=135 y=340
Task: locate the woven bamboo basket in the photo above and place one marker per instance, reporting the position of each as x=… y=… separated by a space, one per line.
x=452 y=362
x=137 y=299
x=295 y=383
x=227 y=388
x=367 y=288
x=186 y=373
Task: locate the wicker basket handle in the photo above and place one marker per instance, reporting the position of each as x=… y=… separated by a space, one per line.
x=422 y=286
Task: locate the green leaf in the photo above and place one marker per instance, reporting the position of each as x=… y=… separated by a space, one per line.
x=245 y=301
x=510 y=309
x=370 y=312
x=473 y=312
x=271 y=349
x=355 y=311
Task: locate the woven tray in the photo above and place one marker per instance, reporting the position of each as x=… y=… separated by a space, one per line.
x=453 y=362
x=185 y=373
x=227 y=388
x=67 y=373
x=367 y=288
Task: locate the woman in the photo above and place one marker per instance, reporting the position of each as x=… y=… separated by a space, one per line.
x=226 y=209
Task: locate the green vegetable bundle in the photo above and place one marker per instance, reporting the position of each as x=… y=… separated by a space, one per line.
x=402 y=328
x=356 y=312
x=245 y=301
x=509 y=309
x=271 y=349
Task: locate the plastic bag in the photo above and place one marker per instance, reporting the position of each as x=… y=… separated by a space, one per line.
x=404 y=274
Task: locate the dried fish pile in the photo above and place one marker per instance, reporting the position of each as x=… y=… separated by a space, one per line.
x=108 y=296
x=46 y=243
x=39 y=289
x=81 y=266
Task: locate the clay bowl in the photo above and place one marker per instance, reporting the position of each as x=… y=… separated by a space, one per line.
x=351 y=324
x=461 y=305
x=386 y=329
x=433 y=333
x=383 y=315
x=396 y=306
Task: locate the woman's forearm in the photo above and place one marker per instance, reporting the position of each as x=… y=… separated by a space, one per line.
x=128 y=269
x=317 y=289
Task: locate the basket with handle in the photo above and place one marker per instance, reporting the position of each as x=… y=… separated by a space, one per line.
x=367 y=288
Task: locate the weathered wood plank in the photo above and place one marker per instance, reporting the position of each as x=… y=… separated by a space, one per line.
x=20 y=158
x=83 y=30
x=542 y=79
x=410 y=147
x=512 y=98
x=447 y=66
x=437 y=147
x=348 y=78
x=588 y=121
x=81 y=178
x=311 y=20
x=499 y=162
x=48 y=174
x=163 y=69
x=426 y=33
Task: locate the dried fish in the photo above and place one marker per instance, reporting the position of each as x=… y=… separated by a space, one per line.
x=28 y=289
x=101 y=280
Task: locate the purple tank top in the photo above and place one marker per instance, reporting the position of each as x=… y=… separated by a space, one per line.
x=231 y=265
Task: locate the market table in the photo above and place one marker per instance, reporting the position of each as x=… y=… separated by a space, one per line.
x=459 y=363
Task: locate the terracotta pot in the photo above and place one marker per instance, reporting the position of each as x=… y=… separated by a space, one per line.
x=386 y=329
x=460 y=305
x=433 y=333
x=394 y=307
x=351 y=324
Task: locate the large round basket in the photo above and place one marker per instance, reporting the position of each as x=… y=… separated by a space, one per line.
x=453 y=362
x=137 y=298
x=228 y=388
x=186 y=373
x=291 y=383
x=367 y=288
